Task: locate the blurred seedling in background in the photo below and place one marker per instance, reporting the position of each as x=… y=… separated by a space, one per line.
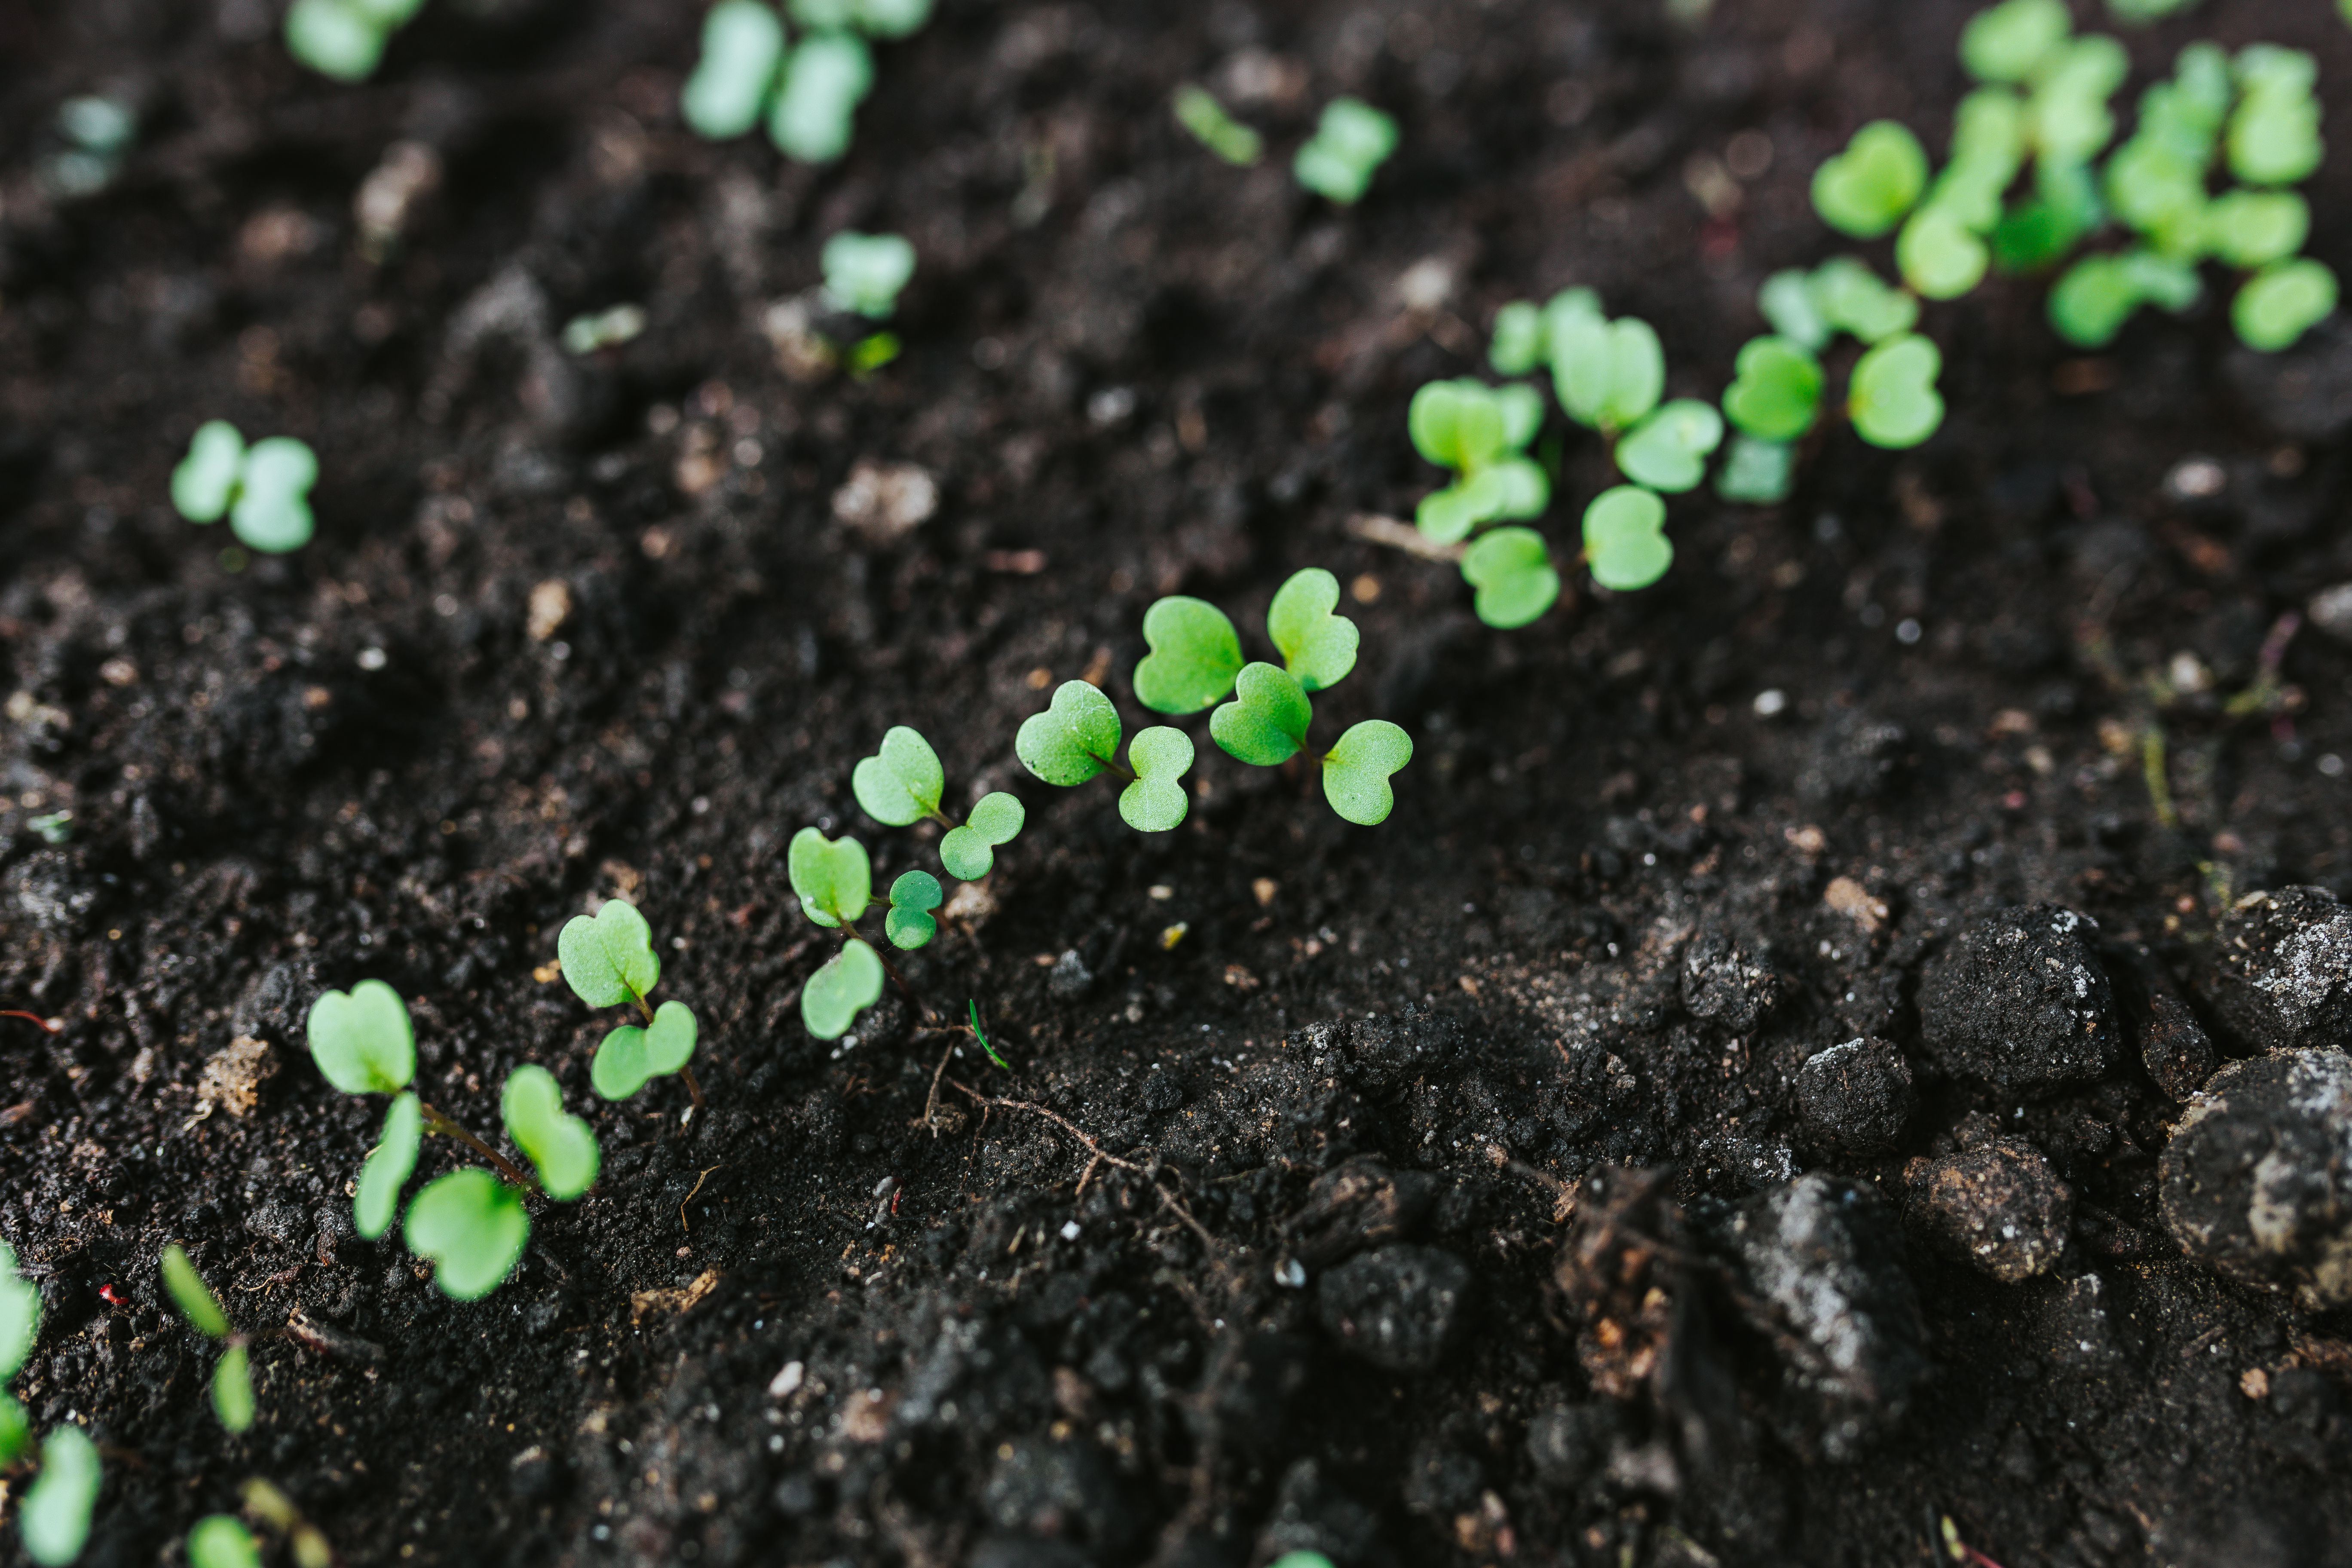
x=864 y=274
x=608 y=959
x=98 y=132
x=600 y=329
x=1350 y=142
x=221 y=1541
x=1198 y=112
x=469 y=1222
x=345 y=39
x=233 y=1374
x=264 y=490
x=54 y=1513
x=807 y=94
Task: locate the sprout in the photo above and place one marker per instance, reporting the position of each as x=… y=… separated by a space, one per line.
x=361 y=1039
x=824 y=81
x=1776 y=393
x=1668 y=450
x=1075 y=739
x=969 y=852
x=608 y=959
x=913 y=896
x=2012 y=41
x=1195 y=653
x=901 y=784
x=809 y=96
x=832 y=877
x=1624 y=538
x=1519 y=339
x=1317 y=646
x=101 y=130
x=219 y=1541
x=2281 y=302
x=1155 y=802
x=1266 y=722
x=1481 y=433
x=835 y=882
x=473 y=1228
x=1350 y=144
x=1198 y=112
x=2274 y=134
x=562 y=1148
x=53 y=1518
x=1512 y=570
x=2253 y=229
x=601 y=330
x=1893 y=400
x=1756 y=471
x=2098 y=294
x=264 y=489
x=2063 y=208
x=2068 y=111
x=845 y=985
x=1851 y=299
x=1357 y=771
x=233 y=1374
x=376 y=1201
x=742 y=50
x=345 y=39
x=1607 y=373
x=1940 y=255
x=1865 y=190
x=863 y=272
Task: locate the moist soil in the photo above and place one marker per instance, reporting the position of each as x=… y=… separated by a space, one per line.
x=1417 y=1194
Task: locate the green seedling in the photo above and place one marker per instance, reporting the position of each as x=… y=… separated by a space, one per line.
x=807 y=95
x=1776 y=393
x=1607 y=373
x=2011 y=42
x=972 y=1012
x=1851 y=299
x=2041 y=230
x=1199 y=113
x=233 y=1374
x=913 y=896
x=1625 y=542
x=1350 y=142
x=1940 y=255
x=902 y=785
x=1669 y=449
x=1481 y=433
x=1512 y=573
x=2098 y=294
x=875 y=18
x=2281 y=302
x=561 y=1146
x=863 y=272
x=55 y=1514
x=742 y=51
x=814 y=111
x=221 y=1541
x=345 y=39
x=1893 y=399
x=1757 y=471
x=1076 y=739
x=2273 y=137
x=602 y=330
x=835 y=882
x=1520 y=339
x=2250 y=229
x=98 y=132
x=264 y=489
x=608 y=959
x=1865 y=190
x=2067 y=111
x=473 y=1228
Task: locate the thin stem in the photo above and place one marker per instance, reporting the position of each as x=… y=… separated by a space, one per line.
x=693 y=1088
x=943 y=819
x=1113 y=766
x=2152 y=768
x=436 y=1122
x=890 y=969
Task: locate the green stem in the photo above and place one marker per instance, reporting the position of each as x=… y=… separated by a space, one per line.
x=1113 y=766
x=2152 y=768
x=436 y=1122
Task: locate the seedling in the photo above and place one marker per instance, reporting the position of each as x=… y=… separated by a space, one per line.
x=2090 y=304
x=1511 y=570
x=808 y=94
x=742 y=50
x=835 y=882
x=1776 y=393
x=471 y=1224
x=1519 y=339
x=2010 y=42
x=1608 y=374
x=1669 y=449
x=1481 y=433
x=824 y=81
x=2283 y=301
x=1350 y=142
x=345 y=39
x=1198 y=112
x=608 y=959
x=221 y=1541
x=54 y=1517
x=601 y=330
x=1865 y=190
x=1892 y=401
x=2274 y=133
x=902 y=783
x=98 y=132
x=863 y=272
x=264 y=489
x=233 y=1374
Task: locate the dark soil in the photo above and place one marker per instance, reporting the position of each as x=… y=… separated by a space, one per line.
x=1304 y=1254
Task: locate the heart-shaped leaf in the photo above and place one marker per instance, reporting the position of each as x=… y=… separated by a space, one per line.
x=2091 y=303
x=191 y=1295
x=1988 y=131
x=1607 y=373
x=232 y=1389
x=334 y=38
x=388 y=1166
x=2068 y=111
x=2253 y=229
x=913 y=896
x=2011 y=41
x=1789 y=302
x=902 y=783
x=811 y=117
x=562 y=1147
x=1458 y=423
x=2282 y=303
x=272 y=510
x=472 y=1226
x=1865 y=190
x=849 y=982
x=1447 y=516
x=1155 y=802
x=608 y=958
x=1317 y=646
x=832 y=877
x=1938 y=257
x=1356 y=771
x=969 y=852
x=743 y=48
x=53 y=1518
x=1624 y=538
x=1893 y=399
x=20 y=1316
x=1512 y=570
x=863 y=272
x=1350 y=142
x=630 y=1057
x=362 y=1040
x=1852 y=298
x=1756 y=471
x=1777 y=393
x=218 y=1541
x=1195 y=653
x=1076 y=737
x=1519 y=344
x=205 y=479
x=1265 y=723
x=1668 y=450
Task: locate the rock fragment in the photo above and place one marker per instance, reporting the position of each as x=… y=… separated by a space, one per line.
x=1998 y=1204
x=1360 y=1204
x=1396 y=1307
x=2283 y=963
x=2021 y=1001
x=1727 y=984
x=2257 y=1181
x=1856 y=1097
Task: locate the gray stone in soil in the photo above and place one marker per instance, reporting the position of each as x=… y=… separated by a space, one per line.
x=2282 y=969
x=2000 y=1205
x=1396 y=1307
x=2257 y=1181
x=2021 y=1001
x=1727 y=984
x=1360 y=1203
x=1822 y=1262
x=1856 y=1097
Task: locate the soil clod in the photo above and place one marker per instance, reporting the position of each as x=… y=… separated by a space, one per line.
x=2022 y=1002
x=2282 y=969
x=1397 y=1307
x=1857 y=1096
x=2257 y=1181
x=1998 y=1204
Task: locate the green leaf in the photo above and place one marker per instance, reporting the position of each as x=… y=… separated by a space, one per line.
x=2090 y=304
x=1989 y=130
x=2282 y=303
x=1449 y=515
x=2273 y=140
x=1265 y=723
x=15 y=1430
x=20 y=1316
x=272 y=510
x=742 y=49
x=53 y=1518
x=1317 y=646
x=863 y=272
x=2253 y=229
x=1465 y=424
x=205 y=479
x=1625 y=539
x=1607 y=373
x=562 y=1147
x=472 y=1226
x=2068 y=111
x=232 y=1389
x=969 y=852
x=913 y=896
x=824 y=81
x=1790 y=302
x=1195 y=653
x=1512 y=570
x=1198 y=112
x=218 y=1541
x=832 y=877
x=608 y=958
x=333 y=40
x=1350 y=142
x=1777 y=393
x=2149 y=186
x=2012 y=42
x=1865 y=190
x=361 y=1039
x=849 y=982
x=1852 y=298
x=1356 y=771
x=902 y=783
x=1939 y=256
x=1893 y=399
x=1756 y=471
x=1518 y=345
x=1078 y=734
x=630 y=1057
x=388 y=1167
x=191 y=1295
x=1668 y=450
x=1155 y=802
